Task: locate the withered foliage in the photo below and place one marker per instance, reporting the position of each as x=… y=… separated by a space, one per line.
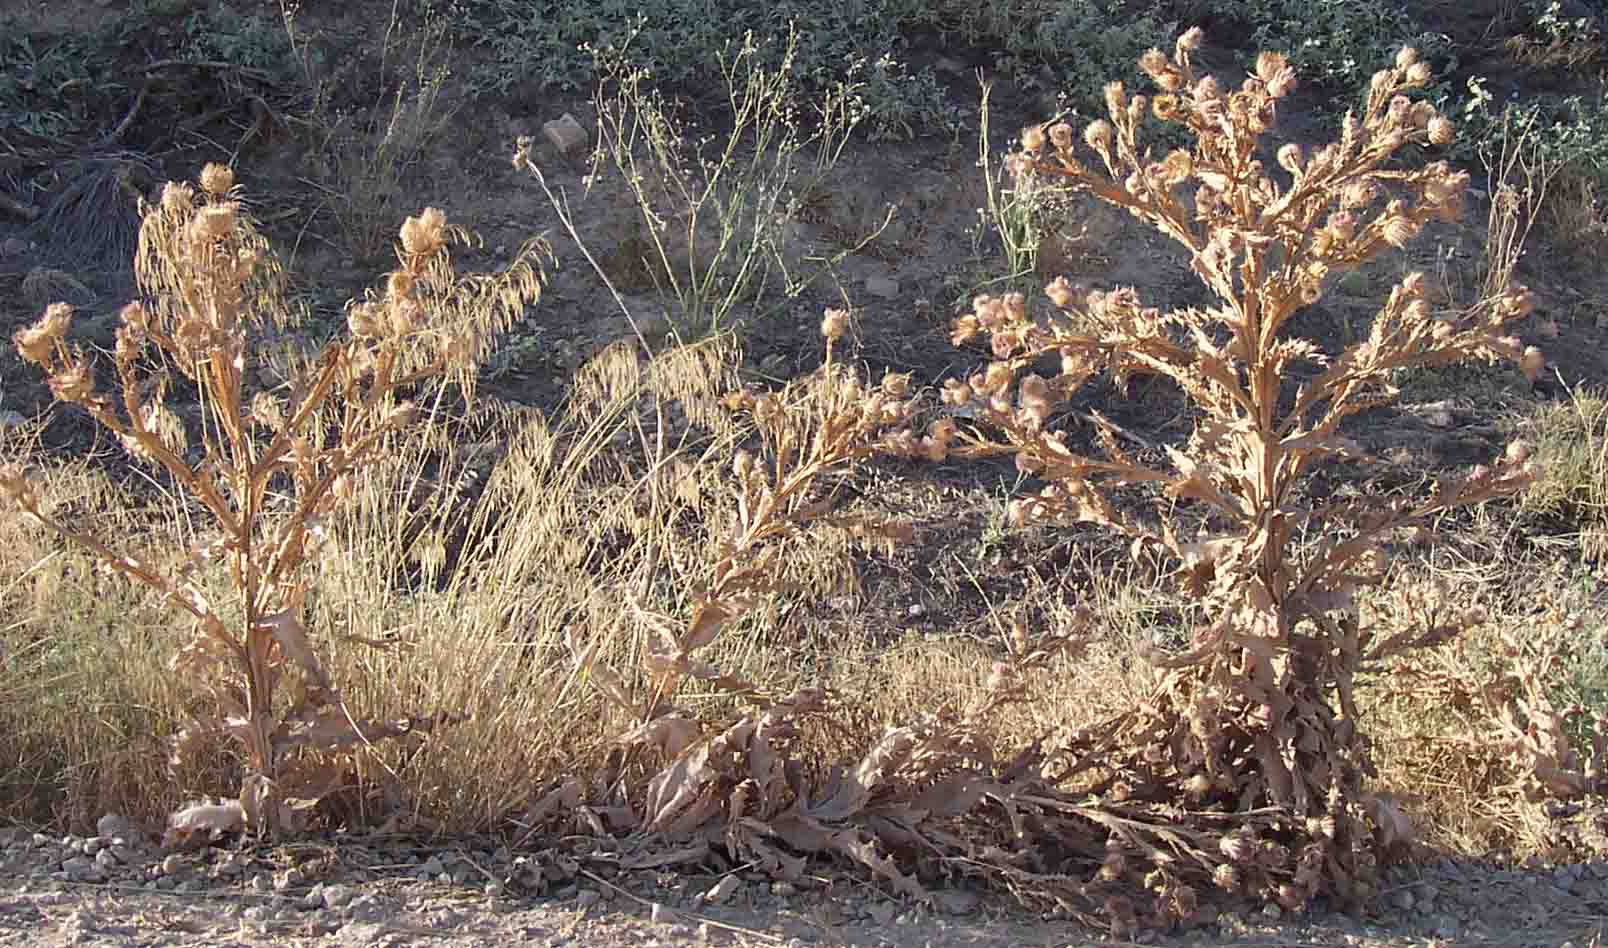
x=270 y=466
x=1244 y=774
x=1258 y=713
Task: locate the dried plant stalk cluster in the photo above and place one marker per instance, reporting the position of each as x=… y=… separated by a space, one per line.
x=1258 y=714
x=1242 y=776
x=271 y=465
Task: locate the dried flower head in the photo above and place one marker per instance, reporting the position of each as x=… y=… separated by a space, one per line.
x=1397 y=231
x=425 y=234
x=177 y=197
x=362 y=320
x=834 y=324
x=214 y=222
x=36 y=343
x=217 y=179
x=1098 y=135
x=1036 y=398
x=1060 y=292
x=1441 y=131
x=1061 y=136
x=1289 y=157
x=1116 y=98
x=398 y=284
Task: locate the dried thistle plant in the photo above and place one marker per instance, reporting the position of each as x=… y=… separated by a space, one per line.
x=816 y=426
x=1257 y=716
x=730 y=785
x=270 y=466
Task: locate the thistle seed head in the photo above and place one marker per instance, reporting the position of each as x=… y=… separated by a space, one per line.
x=1154 y=62
x=36 y=343
x=1441 y=131
x=214 y=222
x=398 y=284
x=1397 y=231
x=1033 y=139
x=216 y=179
x=362 y=321
x=834 y=324
x=1060 y=292
x=1036 y=398
x=177 y=197
x=425 y=234
x=1290 y=158
x=1061 y=136
x=1098 y=135
x=1116 y=98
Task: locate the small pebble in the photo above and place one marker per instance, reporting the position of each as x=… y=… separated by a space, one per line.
x=335 y=896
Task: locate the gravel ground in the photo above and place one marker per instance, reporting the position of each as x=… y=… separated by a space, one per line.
x=117 y=888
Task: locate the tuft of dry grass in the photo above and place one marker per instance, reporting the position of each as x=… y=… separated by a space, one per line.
x=1571 y=439
x=366 y=156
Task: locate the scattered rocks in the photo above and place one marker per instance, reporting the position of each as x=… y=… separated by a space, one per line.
x=956 y=901
x=336 y=896
x=260 y=896
x=882 y=287
x=82 y=869
x=112 y=824
x=565 y=134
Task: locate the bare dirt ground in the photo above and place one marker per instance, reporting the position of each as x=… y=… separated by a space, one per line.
x=117 y=890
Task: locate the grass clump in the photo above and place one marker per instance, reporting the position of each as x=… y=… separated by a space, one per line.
x=1571 y=439
x=365 y=154
x=715 y=212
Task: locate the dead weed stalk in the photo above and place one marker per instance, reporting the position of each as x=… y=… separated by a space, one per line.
x=270 y=468
x=1256 y=718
